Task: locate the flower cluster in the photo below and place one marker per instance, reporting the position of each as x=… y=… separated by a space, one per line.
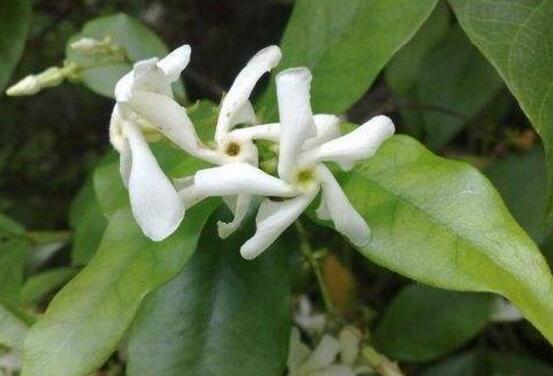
x=145 y=107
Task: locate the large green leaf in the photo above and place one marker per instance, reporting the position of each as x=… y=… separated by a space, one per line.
x=138 y=41
x=521 y=181
x=38 y=286
x=516 y=36
x=12 y=329
x=222 y=315
x=86 y=321
x=453 y=85
x=459 y=365
x=442 y=223
x=345 y=44
x=423 y=323
x=15 y=16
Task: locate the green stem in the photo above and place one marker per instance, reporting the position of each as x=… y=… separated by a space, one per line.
x=382 y=365
x=313 y=261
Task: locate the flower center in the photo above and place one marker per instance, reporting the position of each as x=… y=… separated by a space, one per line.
x=232 y=149
x=305 y=178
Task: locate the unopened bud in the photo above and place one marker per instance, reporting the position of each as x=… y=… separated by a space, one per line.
x=88 y=46
x=32 y=84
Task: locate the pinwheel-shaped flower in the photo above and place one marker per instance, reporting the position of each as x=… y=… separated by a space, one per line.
x=144 y=97
x=303 y=148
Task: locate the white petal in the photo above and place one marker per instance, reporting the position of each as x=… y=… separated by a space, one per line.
x=240 y=91
x=125 y=163
x=273 y=218
x=503 y=311
x=349 y=338
x=240 y=211
x=346 y=219
x=270 y=132
x=324 y=355
x=155 y=204
x=297 y=351
x=171 y=119
x=191 y=195
x=296 y=119
x=116 y=129
x=336 y=370
x=173 y=64
x=236 y=178
x=361 y=143
x=245 y=115
x=328 y=128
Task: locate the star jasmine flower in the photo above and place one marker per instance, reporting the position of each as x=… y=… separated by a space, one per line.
x=332 y=356
x=145 y=107
x=302 y=151
x=234 y=147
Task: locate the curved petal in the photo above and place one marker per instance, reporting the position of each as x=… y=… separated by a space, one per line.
x=237 y=97
x=125 y=163
x=361 y=143
x=273 y=218
x=296 y=118
x=236 y=178
x=157 y=208
x=171 y=119
x=191 y=195
x=328 y=128
x=240 y=210
x=173 y=64
x=324 y=355
x=270 y=132
x=346 y=219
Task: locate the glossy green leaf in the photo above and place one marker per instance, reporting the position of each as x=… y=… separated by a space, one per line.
x=12 y=329
x=222 y=315
x=40 y=285
x=15 y=17
x=515 y=36
x=89 y=224
x=423 y=323
x=137 y=39
x=403 y=70
x=521 y=181
x=454 y=83
x=442 y=223
x=459 y=365
x=345 y=44
x=86 y=321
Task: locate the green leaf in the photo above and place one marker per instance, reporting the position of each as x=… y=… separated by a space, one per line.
x=345 y=44
x=14 y=248
x=88 y=222
x=12 y=329
x=403 y=70
x=40 y=285
x=442 y=223
x=137 y=39
x=454 y=84
x=86 y=321
x=521 y=181
x=222 y=315
x=517 y=364
x=515 y=36
x=15 y=17
x=459 y=365
x=423 y=323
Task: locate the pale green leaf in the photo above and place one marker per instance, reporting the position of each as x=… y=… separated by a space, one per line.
x=41 y=284
x=442 y=223
x=12 y=329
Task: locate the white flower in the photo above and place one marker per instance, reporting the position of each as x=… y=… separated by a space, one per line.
x=304 y=145
x=332 y=357
x=145 y=105
x=306 y=319
x=235 y=148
